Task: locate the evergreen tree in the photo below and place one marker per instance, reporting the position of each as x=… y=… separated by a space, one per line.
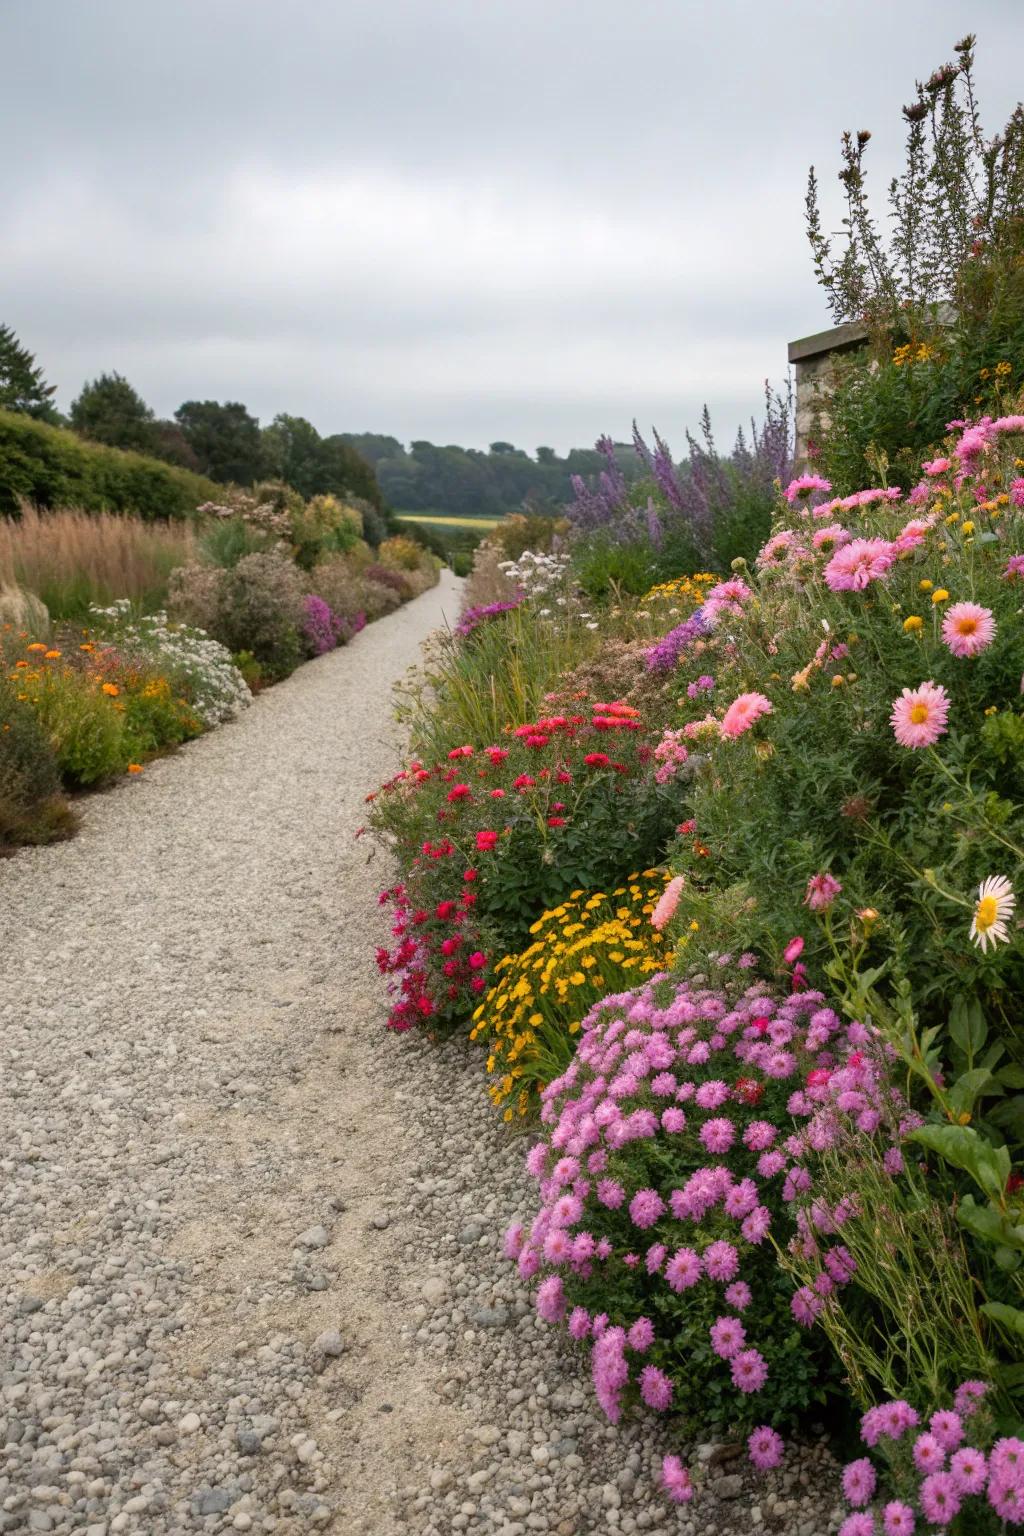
x=109 y=410
x=22 y=386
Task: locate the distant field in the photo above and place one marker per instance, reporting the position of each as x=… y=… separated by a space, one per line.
x=441 y=521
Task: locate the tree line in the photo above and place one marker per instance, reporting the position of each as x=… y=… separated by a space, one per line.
x=224 y=441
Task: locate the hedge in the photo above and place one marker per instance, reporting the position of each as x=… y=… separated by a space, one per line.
x=51 y=468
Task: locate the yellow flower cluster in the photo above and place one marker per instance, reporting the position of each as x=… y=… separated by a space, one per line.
x=913 y=354
x=591 y=944
x=681 y=588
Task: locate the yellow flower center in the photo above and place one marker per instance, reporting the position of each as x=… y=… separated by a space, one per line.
x=918 y=714
x=986 y=914
x=966 y=626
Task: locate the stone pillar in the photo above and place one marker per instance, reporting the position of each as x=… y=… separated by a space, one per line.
x=812 y=359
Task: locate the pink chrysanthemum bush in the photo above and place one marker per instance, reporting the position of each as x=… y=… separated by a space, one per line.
x=953 y=1470
x=667 y=1174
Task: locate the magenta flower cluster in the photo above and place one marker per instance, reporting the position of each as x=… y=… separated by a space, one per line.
x=955 y=1465
x=673 y=1147
x=322 y=628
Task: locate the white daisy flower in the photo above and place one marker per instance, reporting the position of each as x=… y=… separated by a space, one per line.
x=994 y=907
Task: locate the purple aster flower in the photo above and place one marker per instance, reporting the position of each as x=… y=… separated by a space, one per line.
x=765 y=1448
x=655 y=1388
x=749 y=1370
x=859 y=1482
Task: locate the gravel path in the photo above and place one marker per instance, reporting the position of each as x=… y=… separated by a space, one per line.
x=250 y=1275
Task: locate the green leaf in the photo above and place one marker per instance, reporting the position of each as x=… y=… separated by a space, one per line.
x=960 y=1145
x=1011 y=1318
x=967 y=1025
x=1011 y=1076
x=967 y=1090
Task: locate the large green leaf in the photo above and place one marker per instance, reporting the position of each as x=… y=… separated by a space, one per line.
x=1011 y=1318
x=988 y=1166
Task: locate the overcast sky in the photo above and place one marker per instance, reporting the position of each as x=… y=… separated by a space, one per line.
x=454 y=219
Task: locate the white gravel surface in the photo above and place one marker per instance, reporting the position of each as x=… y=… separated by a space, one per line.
x=250 y=1272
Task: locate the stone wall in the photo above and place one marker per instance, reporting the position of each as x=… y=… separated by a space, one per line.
x=812 y=359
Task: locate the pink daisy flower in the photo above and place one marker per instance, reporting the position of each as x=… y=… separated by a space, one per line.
x=858 y=564
x=749 y=1370
x=683 y=1269
x=968 y=628
x=919 y=715
x=859 y=1482
x=898 y=1519
x=830 y=538
x=655 y=1388
x=728 y=1337
x=804 y=486
x=969 y=1470
x=743 y=712
x=939 y=1498
x=765 y=1447
x=675 y=1480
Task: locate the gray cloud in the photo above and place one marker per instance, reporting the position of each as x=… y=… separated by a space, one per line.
x=455 y=219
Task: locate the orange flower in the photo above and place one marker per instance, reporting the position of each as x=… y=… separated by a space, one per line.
x=87 y=647
x=52 y=655
x=37 y=645
x=112 y=689
x=134 y=767
x=21 y=663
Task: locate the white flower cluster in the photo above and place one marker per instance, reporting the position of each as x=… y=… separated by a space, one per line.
x=548 y=577
x=539 y=575
x=194 y=663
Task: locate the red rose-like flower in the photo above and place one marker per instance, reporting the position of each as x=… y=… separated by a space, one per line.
x=524 y=781
x=556 y=821
x=459 y=792
x=485 y=841
x=597 y=760
x=477 y=960
x=460 y=752
x=748 y=1090
x=470 y=874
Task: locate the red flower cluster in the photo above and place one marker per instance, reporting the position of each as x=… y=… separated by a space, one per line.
x=451 y=824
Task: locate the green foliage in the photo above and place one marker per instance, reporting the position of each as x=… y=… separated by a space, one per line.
x=225 y=439
x=51 y=468
x=87 y=732
x=32 y=808
x=605 y=566
x=429 y=477
x=22 y=386
x=316 y=465
x=230 y=539
x=109 y=410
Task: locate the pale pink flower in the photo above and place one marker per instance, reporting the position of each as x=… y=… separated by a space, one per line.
x=833 y=537
x=804 y=486
x=936 y=467
x=822 y=891
x=968 y=628
x=667 y=903
x=743 y=712
x=920 y=714
x=859 y=563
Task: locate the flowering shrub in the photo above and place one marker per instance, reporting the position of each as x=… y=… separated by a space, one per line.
x=256 y=606
x=322 y=629
x=589 y=945
x=197 y=668
x=954 y=1470
x=490 y=835
x=472 y=618
x=666 y=1174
